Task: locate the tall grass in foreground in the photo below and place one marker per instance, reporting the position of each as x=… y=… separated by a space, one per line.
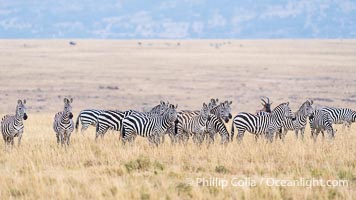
x=39 y=169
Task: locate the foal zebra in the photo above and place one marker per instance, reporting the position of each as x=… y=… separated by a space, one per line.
x=63 y=124
x=150 y=126
x=87 y=117
x=343 y=116
x=12 y=125
x=321 y=121
x=265 y=124
x=112 y=119
x=299 y=122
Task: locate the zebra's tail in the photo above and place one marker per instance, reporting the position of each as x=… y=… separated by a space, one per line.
x=232 y=131
x=77 y=123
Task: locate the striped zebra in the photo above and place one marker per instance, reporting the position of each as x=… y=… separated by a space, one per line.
x=12 y=125
x=343 y=116
x=265 y=124
x=299 y=122
x=321 y=121
x=196 y=125
x=112 y=119
x=222 y=111
x=213 y=102
x=87 y=117
x=63 y=124
x=150 y=126
x=216 y=125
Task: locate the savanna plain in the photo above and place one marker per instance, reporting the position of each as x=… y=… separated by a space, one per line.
x=137 y=74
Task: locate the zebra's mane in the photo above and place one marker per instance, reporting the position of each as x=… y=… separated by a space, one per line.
x=279 y=106
x=302 y=106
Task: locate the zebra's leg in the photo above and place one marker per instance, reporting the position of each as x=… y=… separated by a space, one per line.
x=57 y=136
x=12 y=142
x=271 y=134
x=68 y=139
x=162 y=137
x=19 y=141
x=296 y=133
x=62 y=138
x=240 y=135
x=302 y=130
x=84 y=127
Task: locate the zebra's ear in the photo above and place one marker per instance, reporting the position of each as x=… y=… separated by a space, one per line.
x=24 y=101
x=311 y=102
x=65 y=100
x=71 y=100
x=230 y=102
x=204 y=105
x=217 y=100
x=176 y=106
x=287 y=103
x=162 y=102
x=19 y=101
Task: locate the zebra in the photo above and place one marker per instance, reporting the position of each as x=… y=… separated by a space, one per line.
x=299 y=122
x=150 y=126
x=213 y=102
x=63 y=124
x=87 y=117
x=343 y=116
x=12 y=125
x=223 y=111
x=321 y=121
x=215 y=125
x=112 y=119
x=256 y=124
x=196 y=125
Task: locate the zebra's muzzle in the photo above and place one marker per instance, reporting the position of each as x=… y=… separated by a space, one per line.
x=24 y=116
x=226 y=120
x=70 y=116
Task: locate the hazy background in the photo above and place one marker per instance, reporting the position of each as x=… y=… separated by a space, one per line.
x=180 y=19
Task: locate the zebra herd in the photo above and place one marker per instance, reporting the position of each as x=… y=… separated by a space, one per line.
x=200 y=125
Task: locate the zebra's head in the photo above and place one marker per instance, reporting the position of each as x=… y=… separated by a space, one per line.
x=225 y=111
x=68 y=107
x=286 y=110
x=172 y=112
x=213 y=103
x=21 y=109
x=163 y=107
x=205 y=111
x=307 y=108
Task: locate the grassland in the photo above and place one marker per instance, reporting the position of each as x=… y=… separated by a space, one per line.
x=123 y=74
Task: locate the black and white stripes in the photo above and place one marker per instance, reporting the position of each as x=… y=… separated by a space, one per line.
x=265 y=124
x=87 y=117
x=148 y=125
x=63 y=124
x=321 y=121
x=299 y=122
x=12 y=125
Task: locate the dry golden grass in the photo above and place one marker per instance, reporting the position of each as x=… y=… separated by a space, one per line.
x=39 y=169
x=123 y=75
